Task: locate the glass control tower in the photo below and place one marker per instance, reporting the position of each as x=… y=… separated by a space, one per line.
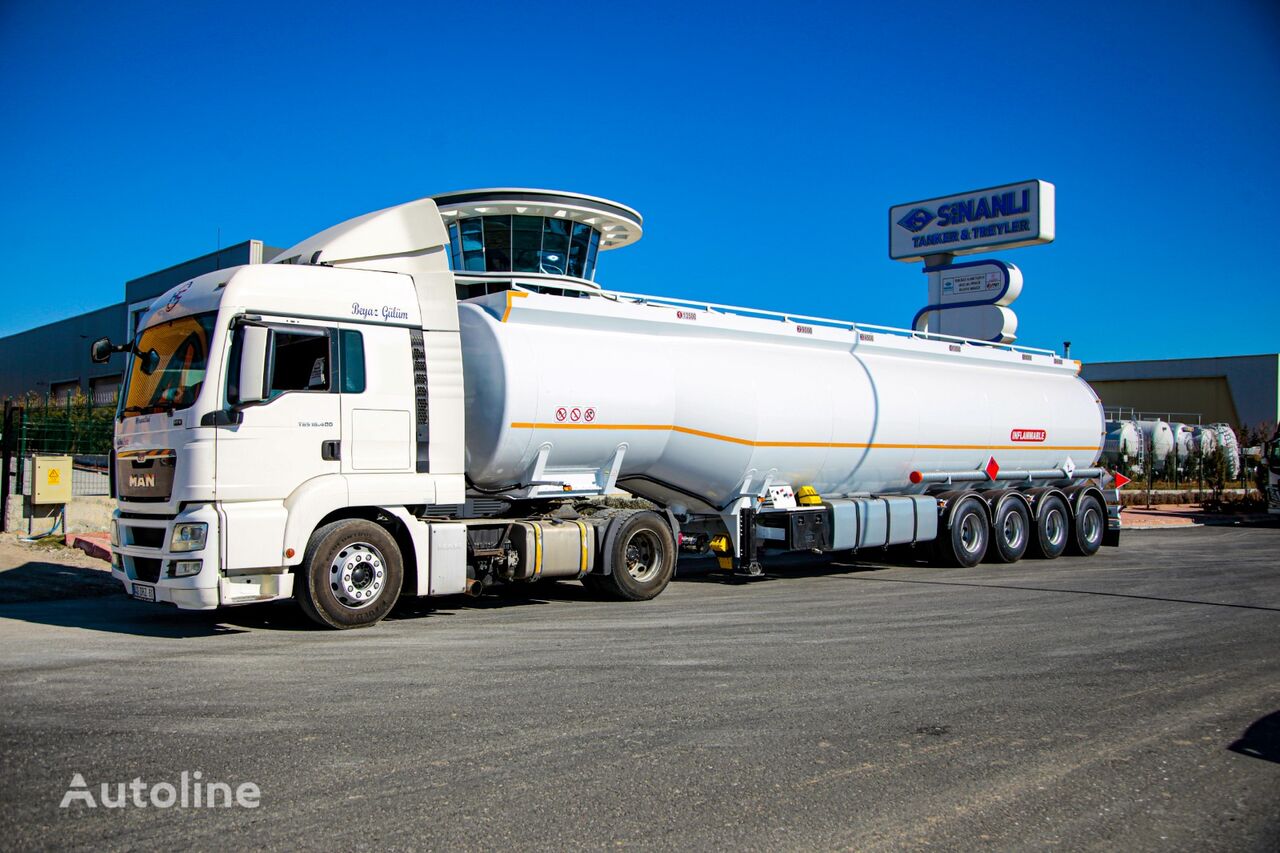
x=541 y=240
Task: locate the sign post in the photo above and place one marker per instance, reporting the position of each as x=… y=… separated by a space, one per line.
x=970 y=300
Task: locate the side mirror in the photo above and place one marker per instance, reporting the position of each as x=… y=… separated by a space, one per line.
x=253 y=365
x=100 y=350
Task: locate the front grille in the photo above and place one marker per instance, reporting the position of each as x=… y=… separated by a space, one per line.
x=146 y=569
x=146 y=537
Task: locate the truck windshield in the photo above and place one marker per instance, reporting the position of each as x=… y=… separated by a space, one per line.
x=167 y=367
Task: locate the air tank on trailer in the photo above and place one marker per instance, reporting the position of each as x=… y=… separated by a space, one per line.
x=695 y=406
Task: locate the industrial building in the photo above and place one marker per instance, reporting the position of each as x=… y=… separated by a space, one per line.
x=1241 y=390
x=53 y=360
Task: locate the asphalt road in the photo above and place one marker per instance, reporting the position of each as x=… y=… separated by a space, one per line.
x=1076 y=704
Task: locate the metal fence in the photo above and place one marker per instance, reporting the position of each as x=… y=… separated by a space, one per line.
x=81 y=428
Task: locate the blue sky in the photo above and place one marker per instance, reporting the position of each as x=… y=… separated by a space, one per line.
x=762 y=142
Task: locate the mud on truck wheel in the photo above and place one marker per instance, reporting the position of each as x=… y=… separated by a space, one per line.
x=351 y=574
x=642 y=555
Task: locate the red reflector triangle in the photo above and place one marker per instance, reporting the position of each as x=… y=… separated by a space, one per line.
x=1122 y=481
x=992 y=468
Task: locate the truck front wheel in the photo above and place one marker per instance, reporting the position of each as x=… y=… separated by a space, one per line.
x=351 y=574
x=642 y=559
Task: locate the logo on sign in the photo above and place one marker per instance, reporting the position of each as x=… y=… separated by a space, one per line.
x=575 y=414
x=1028 y=435
x=561 y=414
x=686 y=315
x=589 y=415
x=917 y=219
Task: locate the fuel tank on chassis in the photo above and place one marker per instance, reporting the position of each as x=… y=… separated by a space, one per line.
x=704 y=404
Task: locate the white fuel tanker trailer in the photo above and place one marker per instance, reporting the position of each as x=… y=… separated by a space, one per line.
x=414 y=400
x=1124 y=446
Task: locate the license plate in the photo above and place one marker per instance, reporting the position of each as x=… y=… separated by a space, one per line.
x=146 y=593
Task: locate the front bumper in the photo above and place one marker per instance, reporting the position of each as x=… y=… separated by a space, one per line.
x=143 y=563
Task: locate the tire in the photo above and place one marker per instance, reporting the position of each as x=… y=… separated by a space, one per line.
x=1011 y=532
x=964 y=543
x=1087 y=527
x=641 y=557
x=350 y=576
x=1052 y=529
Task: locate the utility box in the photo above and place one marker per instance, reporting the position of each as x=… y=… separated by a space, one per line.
x=51 y=480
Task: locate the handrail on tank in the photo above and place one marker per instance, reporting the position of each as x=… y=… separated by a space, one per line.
x=846 y=325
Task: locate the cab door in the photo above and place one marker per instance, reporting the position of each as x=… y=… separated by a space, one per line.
x=295 y=433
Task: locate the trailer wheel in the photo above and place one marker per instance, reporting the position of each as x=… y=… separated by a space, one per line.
x=1011 y=532
x=1053 y=529
x=965 y=543
x=350 y=575
x=642 y=557
x=1088 y=527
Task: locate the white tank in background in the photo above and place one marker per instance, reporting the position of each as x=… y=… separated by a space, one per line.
x=1124 y=446
x=1159 y=439
x=1230 y=446
x=1184 y=444
x=1206 y=439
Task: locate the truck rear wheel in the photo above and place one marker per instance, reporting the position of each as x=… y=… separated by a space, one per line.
x=1010 y=532
x=1053 y=529
x=351 y=574
x=642 y=559
x=1088 y=527
x=964 y=544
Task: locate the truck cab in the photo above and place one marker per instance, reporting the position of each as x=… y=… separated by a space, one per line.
x=262 y=400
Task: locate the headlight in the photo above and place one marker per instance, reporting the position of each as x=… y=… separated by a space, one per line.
x=188 y=537
x=185 y=568
x=115 y=532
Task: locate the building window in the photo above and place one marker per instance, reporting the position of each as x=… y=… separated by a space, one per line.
x=104 y=390
x=62 y=392
x=537 y=244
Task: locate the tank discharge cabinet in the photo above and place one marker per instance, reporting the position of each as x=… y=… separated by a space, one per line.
x=425 y=400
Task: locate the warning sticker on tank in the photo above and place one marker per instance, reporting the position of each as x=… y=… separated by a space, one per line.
x=561 y=414
x=1028 y=435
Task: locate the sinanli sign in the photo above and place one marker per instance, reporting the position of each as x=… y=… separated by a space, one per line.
x=1008 y=216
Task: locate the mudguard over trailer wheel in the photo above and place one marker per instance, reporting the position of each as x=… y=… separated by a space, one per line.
x=964 y=543
x=1052 y=528
x=640 y=553
x=350 y=575
x=1088 y=527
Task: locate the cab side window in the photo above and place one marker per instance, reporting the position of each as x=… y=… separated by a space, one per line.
x=351 y=345
x=301 y=360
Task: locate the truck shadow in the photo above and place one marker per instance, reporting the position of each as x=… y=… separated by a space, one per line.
x=1261 y=739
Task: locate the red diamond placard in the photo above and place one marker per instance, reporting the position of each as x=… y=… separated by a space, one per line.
x=992 y=468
